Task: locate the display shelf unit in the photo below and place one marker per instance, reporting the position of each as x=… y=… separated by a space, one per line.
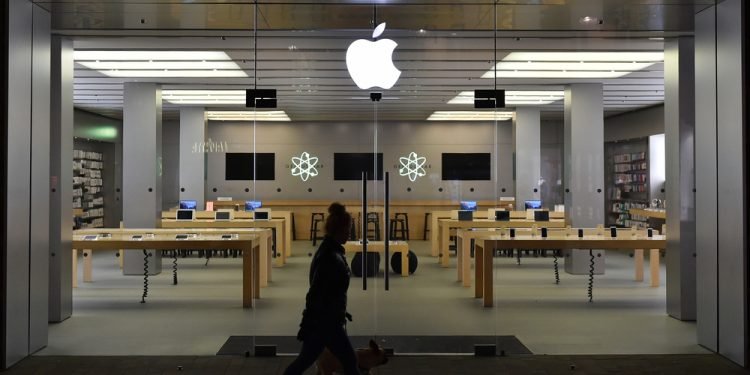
x=87 y=187
x=627 y=180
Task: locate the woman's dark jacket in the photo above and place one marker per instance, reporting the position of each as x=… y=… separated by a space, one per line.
x=325 y=303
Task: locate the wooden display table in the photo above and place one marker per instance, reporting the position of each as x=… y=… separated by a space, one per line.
x=484 y=248
x=379 y=246
x=248 y=243
x=277 y=224
x=465 y=237
x=446 y=225
x=416 y=209
x=653 y=213
x=483 y=214
x=238 y=215
x=265 y=240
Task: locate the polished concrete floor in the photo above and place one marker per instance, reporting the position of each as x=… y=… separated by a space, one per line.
x=681 y=364
x=197 y=316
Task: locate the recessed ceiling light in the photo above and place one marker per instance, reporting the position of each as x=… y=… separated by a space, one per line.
x=656 y=38
x=515 y=97
x=247 y=116
x=160 y=63
x=573 y=64
x=470 y=116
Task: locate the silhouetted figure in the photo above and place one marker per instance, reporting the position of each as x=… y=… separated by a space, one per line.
x=324 y=317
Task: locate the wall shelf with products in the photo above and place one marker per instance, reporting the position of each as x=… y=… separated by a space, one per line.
x=635 y=171
x=627 y=181
x=87 y=187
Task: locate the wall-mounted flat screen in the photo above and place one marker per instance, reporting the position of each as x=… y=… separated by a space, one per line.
x=466 y=166
x=261 y=215
x=350 y=165
x=468 y=205
x=533 y=204
x=252 y=205
x=241 y=166
x=188 y=205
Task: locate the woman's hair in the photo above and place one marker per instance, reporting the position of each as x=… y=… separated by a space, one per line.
x=338 y=219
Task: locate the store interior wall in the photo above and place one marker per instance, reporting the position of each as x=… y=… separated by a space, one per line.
x=635 y=124
x=97 y=133
x=170 y=163
x=428 y=139
x=551 y=187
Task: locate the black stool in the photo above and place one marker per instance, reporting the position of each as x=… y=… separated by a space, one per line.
x=317 y=217
x=400 y=227
x=426 y=224
x=373 y=218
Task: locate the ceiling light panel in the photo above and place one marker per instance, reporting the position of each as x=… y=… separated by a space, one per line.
x=515 y=97
x=159 y=64
x=652 y=57
x=470 y=116
x=247 y=116
x=204 y=96
x=573 y=64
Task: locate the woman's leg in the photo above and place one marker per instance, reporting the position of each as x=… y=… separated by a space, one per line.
x=311 y=349
x=340 y=346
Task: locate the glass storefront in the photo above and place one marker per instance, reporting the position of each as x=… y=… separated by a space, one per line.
x=428 y=168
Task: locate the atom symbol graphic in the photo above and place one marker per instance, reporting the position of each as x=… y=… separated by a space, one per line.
x=412 y=166
x=304 y=166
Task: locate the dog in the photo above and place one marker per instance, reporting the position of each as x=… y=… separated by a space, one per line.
x=367 y=358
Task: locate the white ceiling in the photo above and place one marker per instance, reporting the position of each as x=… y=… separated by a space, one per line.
x=444 y=47
x=313 y=84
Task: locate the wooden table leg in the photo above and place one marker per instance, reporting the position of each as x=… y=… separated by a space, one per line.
x=487 y=265
x=434 y=236
x=264 y=259
x=75 y=268
x=247 y=277
x=654 y=265
x=256 y=272
x=269 y=265
x=459 y=258
x=288 y=237
x=445 y=236
x=279 y=238
x=466 y=264
x=478 y=270
x=404 y=263
x=638 y=257
x=87 y=266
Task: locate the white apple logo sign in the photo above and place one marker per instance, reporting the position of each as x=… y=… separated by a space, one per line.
x=370 y=64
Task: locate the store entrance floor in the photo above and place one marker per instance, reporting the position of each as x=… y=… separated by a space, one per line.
x=196 y=317
x=680 y=364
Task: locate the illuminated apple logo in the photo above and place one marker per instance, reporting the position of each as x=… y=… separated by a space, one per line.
x=370 y=64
